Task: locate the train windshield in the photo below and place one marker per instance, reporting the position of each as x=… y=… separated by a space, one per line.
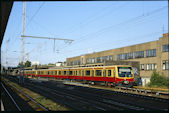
x=124 y=72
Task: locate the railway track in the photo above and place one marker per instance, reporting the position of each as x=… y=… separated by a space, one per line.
x=11 y=100
x=20 y=104
x=144 y=92
x=85 y=98
x=79 y=103
x=131 y=99
x=124 y=100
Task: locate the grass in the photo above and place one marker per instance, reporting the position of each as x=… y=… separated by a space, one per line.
x=154 y=88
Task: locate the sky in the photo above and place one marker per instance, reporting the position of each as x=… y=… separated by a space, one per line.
x=93 y=25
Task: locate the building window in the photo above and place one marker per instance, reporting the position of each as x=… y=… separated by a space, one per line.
x=110 y=58
x=151 y=66
x=93 y=60
x=104 y=58
x=165 y=48
x=141 y=66
x=88 y=60
x=77 y=62
x=139 y=54
x=166 y=65
x=125 y=56
x=151 y=53
x=119 y=57
x=98 y=59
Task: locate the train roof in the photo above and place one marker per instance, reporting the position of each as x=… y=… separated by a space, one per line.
x=65 y=68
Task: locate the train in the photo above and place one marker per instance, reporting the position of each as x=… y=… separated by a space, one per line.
x=117 y=75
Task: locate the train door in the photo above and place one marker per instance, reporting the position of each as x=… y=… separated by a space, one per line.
x=104 y=74
x=82 y=74
x=114 y=74
x=92 y=74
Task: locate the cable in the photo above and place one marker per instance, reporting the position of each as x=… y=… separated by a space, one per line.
x=31 y=19
x=97 y=18
x=35 y=13
x=123 y=23
x=119 y=41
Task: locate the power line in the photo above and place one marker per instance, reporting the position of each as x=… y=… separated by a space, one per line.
x=123 y=23
x=83 y=23
x=35 y=13
x=119 y=41
x=30 y=20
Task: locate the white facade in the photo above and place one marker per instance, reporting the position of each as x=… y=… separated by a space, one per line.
x=145 y=81
x=58 y=64
x=36 y=63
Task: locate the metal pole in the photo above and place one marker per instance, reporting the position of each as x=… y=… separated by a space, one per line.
x=23 y=39
x=7 y=57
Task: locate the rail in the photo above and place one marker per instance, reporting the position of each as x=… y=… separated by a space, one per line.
x=45 y=109
x=11 y=97
x=157 y=93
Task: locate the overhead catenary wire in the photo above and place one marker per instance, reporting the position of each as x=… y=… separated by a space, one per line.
x=35 y=13
x=30 y=20
x=96 y=46
x=94 y=17
x=122 y=23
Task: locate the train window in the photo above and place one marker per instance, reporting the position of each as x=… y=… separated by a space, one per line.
x=70 y=72
x=59 y=72
x=55 y=72
x=87 y=72
x=114 y=73
x=124 y=71
x=64 y=72
x=51 y=72
x=82 y=72
x=98 y=72
x=75 y=73
x=109 y=72
x=79 y=72
x=48 y=72
x=38 y=72
x=104 y=73
x=41 y=72
x=92 y=73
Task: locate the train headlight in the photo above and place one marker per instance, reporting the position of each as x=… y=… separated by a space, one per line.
x=126 y=82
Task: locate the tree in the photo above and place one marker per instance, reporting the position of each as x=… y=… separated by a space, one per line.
x=158 y=79
x=27 y=64
x=20 y=65
x=50 y=64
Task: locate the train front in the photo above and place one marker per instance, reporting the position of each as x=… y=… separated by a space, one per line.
x=125 y=76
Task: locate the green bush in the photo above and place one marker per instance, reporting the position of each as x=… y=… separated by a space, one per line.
x=158 y=80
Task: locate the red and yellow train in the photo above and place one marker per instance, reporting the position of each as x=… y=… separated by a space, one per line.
x=110 y=75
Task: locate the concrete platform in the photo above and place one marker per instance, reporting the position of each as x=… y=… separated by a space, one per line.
x=2 y=106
